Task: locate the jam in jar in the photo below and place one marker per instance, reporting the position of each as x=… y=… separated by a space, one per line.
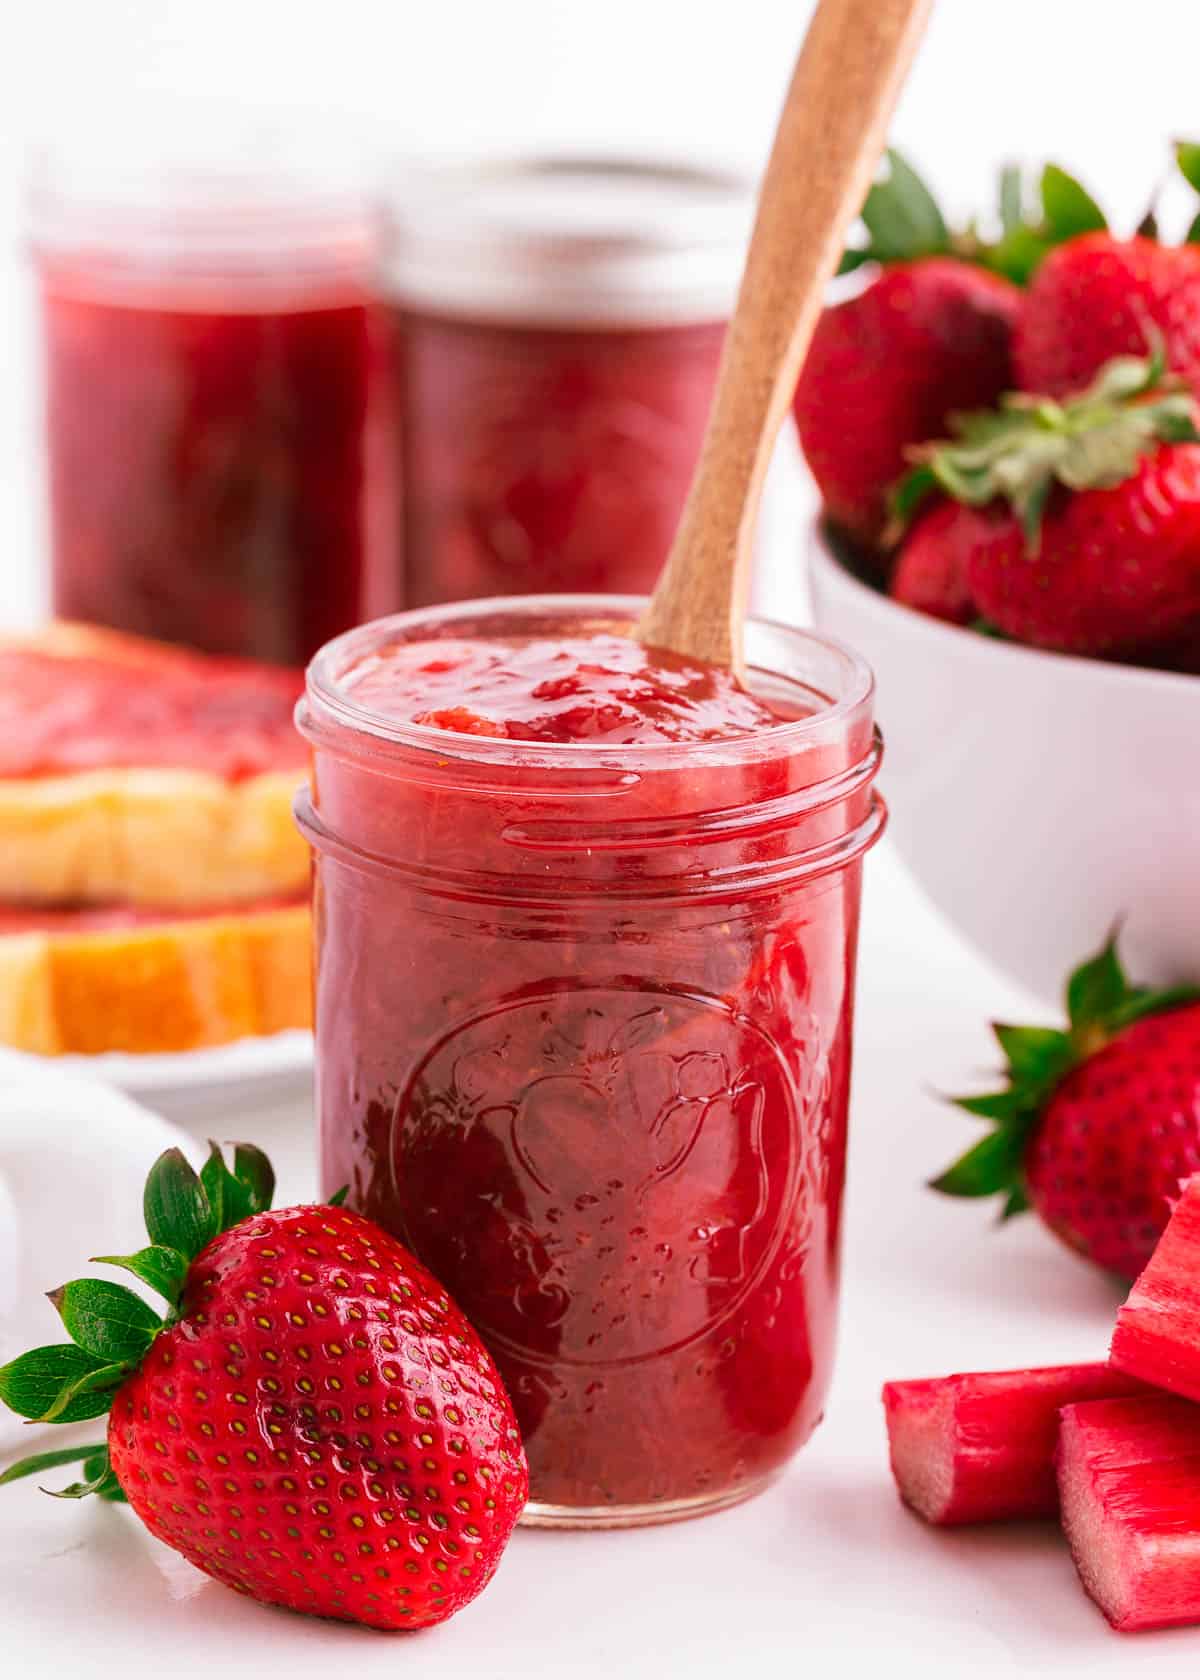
x=216 y=384
x=558 y=327
x=587 y=919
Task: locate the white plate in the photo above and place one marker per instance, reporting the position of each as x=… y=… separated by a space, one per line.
x=251 y=1071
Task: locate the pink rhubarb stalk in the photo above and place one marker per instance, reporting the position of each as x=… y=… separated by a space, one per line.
x=1158 y=1329
x=1129 y=1480
x=979 y=1447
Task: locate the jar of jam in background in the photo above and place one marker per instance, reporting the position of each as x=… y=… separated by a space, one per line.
x=558 y=327
x=583 y=1040
x=217 y=394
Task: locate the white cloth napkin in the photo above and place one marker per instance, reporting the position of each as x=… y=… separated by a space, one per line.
x=73 y=1159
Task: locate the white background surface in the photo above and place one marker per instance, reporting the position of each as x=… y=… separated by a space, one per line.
x=825 y=1574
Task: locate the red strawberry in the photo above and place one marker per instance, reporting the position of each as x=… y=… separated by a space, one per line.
x=930 y=573
x=315 y=1423
x=1081 y=523
x=886 y=369
x=929 y=336
x=1098 y=1124
x=1097 y=297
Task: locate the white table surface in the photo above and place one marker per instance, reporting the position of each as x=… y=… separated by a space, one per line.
x=825 y=1572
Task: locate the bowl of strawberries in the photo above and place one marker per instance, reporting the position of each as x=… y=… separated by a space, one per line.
x=1006 y=437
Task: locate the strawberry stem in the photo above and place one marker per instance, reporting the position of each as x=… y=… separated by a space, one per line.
x=1020 y=452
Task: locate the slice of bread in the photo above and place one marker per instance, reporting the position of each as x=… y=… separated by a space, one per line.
x=153 y=884
x=156 y=986
x=156 y=833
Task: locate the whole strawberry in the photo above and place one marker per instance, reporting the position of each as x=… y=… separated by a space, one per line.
x=1077 y=525
x=1097 y=297
x=886 y=369
x=314 y=1422
x=1097 y=1125
x=930 y=571
x=930 y=335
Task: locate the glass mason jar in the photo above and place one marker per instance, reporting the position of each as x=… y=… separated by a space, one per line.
x=558 y=325
x=216 y=384
x=583 y=1044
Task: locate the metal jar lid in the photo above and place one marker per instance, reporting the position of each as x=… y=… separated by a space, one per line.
x=196 y=196
x=570 y=242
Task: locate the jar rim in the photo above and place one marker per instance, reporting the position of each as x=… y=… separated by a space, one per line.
x=323 y=687
x=566 y=240
x=199 y=215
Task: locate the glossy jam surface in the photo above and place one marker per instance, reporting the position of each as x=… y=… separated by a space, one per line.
x=228 y=717
x=583 y=1044
x=545 y=459
x=212 y=476
x=604 y=688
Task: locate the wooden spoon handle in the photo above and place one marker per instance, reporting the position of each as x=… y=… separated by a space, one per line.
x=830 y=135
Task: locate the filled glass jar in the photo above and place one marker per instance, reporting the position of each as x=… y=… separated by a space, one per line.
x=217 y=395
x=586 y=930
x=558 y=325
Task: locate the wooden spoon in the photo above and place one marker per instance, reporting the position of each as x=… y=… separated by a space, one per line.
x=827 y=145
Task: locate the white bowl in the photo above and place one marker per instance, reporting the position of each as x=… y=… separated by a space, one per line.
x=1037 y=799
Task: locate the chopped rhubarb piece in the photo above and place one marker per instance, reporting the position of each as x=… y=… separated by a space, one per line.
x=979 y=1446
x=1157 y=1336
x=1129 y=1480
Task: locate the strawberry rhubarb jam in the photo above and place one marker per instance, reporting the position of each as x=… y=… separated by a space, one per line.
x=586 y=922
x=558 y=324
x=216 y=390
x=230 y=717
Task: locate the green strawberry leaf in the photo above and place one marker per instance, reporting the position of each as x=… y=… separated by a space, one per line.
x=338 y=1199
x=1192 y=236
x=164 y=1269
x=178 y=1212
x=101 y=1480
x=1097 y=987
x=228 y=1196
x=852 y=259
x=992 y=1165
x=1016 y=1202
x=106 y=1485
x=907 y=496
x=93 y=1390
x=1099 y=1001
x=994 y=1105
x=1068 y=209
x=51 y=1460
x=1017 y=453
x=1144 y=1001
x=31 y=1383
x=1017 y=254
x=106 y=1319
x=1187 y=156
x=1036 y=1055
x=902 y=216
x=252 y=1169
